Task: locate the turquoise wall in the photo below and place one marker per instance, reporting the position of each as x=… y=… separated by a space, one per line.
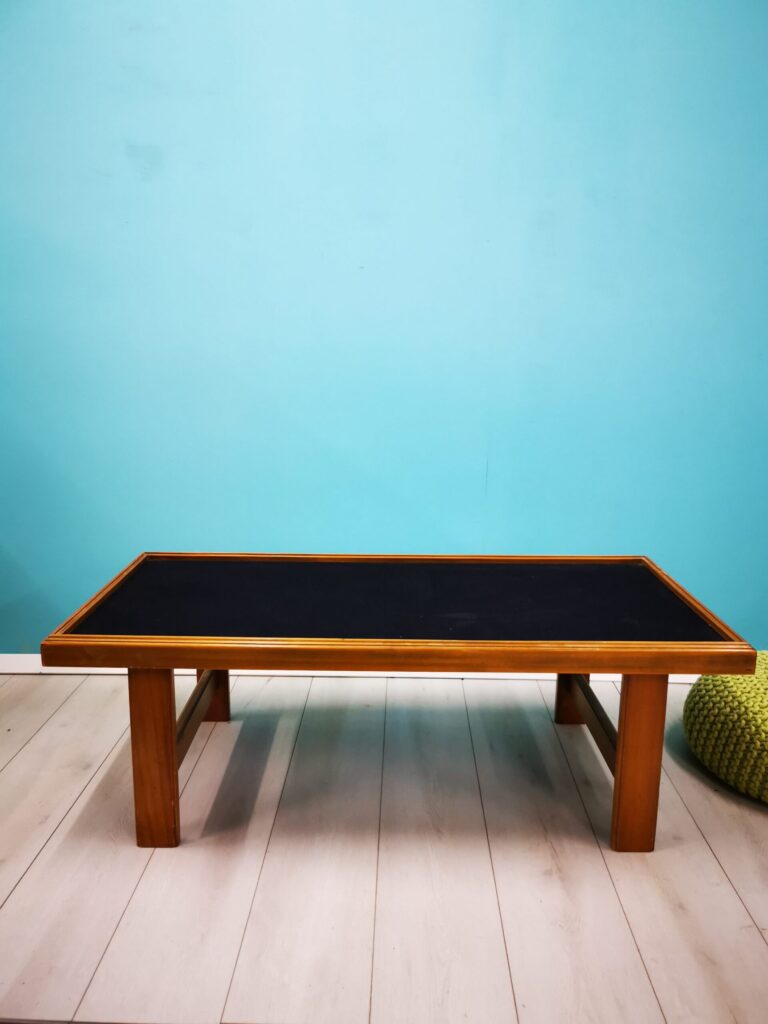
x=436 y=276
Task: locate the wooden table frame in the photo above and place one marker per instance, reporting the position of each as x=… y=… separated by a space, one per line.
x=633 y=752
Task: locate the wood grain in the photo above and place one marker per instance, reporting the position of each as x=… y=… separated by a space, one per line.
x=306 y=953
x=439 y=951
x=596 y=720
x=566 y=709
x=382 y=656
x=637 y=772
x=571 y=950
x=153 y=745
x=193 y=713
x=219 y=707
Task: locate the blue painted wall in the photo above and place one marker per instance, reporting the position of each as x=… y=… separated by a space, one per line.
x=464 y=276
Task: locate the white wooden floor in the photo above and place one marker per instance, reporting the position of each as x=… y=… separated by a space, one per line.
x=394 y=850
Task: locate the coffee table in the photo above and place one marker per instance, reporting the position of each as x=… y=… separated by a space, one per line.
x=397 y=613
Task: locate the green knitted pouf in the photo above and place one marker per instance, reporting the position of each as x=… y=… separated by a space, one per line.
x=725 y=721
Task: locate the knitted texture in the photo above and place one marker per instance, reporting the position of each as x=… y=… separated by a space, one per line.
x=725 y=721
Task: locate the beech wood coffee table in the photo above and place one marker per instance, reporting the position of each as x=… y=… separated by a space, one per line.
x=383 y=613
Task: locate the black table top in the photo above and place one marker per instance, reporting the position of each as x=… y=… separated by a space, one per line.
x=380 y=599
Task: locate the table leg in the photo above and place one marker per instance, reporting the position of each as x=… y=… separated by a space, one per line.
x=218 y=709
x=566 y=708
x=639 y=748
x=153 y=744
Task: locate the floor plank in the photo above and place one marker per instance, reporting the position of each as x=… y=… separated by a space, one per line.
x=439 y=947
x=735 y=826
x=554 y=889
x=57 y=923
x=172 y=955
x=310 y=937
x=705 y=957
x=42 y=782
x=306 y=953
x=4 y=679
x=26 y=704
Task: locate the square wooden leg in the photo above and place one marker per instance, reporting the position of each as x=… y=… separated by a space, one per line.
x=153 y=744
x=566 y=709
x=218 y=709
x=639 y=749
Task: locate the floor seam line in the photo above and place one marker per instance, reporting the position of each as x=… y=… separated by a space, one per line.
x=490 y=851
x=602 y=854
x=63 y=817
x=717 y=859
x=378 y=848
x=42 y=724
x=266 y=846
x=732 y=884
x=138 y=883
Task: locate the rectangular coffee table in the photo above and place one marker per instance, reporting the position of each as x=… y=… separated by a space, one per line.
x=385 y=613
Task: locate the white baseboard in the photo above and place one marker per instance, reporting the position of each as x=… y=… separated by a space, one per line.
x=30 y=664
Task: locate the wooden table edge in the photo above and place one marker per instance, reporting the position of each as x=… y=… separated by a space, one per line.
x=395 y=655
